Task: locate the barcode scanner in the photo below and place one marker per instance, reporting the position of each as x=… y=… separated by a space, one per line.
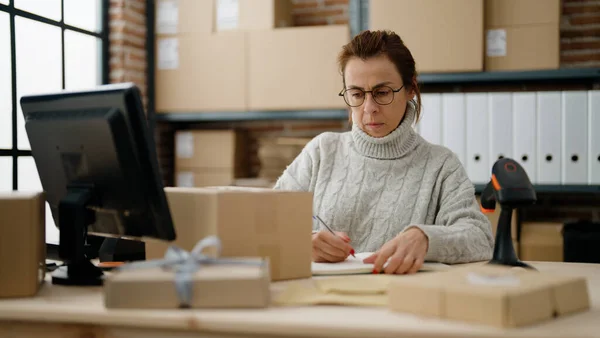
x=511 y=188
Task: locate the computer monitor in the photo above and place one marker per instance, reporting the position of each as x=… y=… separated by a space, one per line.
x=97 y=163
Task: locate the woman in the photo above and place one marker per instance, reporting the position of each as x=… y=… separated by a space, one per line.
x=380 y=186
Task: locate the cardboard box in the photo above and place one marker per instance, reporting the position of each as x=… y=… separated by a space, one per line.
x=490 y=295
x=201 y=73
x=522 y=34
x=207 y=16
x=526 y=48
x=265 y=14
x=214 y=286
x=204 y=178
x=521 y=12
x=211 y=149
x=249 y=221
x=542 y=242
x=452 y=39
x=296 y=68
x=184 y=16
x=22 y=243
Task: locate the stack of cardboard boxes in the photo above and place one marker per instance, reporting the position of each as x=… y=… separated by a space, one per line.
x=522 y=34
x=474 y=35
x=240 y=55
x=210 y=157
x=276 y=153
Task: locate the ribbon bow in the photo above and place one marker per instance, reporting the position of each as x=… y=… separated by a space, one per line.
x=185 y=264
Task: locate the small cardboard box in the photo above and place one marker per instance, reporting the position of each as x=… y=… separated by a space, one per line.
x=264 y=14
x=542 y=242
x=211 y=149
x=250 y=222
x=450 y=41
x=175 y=17
x=491 y=295
x=22 y=243
x=284 y=63
x=201 y=73
x=184 y=16
x=214 y=286
x=522 y=34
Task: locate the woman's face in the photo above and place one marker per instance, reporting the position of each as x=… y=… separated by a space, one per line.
x=381 y=76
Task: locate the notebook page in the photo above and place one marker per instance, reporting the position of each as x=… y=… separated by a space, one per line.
x=354 y=265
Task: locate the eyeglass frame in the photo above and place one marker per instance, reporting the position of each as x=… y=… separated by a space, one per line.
x=341 y=93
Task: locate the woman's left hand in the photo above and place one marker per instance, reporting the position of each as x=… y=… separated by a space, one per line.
x=406 y=253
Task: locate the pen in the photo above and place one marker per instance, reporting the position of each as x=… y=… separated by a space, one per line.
x=328 y=228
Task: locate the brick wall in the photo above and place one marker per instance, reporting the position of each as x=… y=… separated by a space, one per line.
x=580 y=33
x=128 y=43
x=320 y=12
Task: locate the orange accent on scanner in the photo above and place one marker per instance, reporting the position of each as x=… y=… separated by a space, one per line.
x=487 y=211
x=495 y=183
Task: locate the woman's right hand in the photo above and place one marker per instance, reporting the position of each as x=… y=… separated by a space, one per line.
x=327 y=247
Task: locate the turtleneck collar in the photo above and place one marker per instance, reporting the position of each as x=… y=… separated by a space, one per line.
x=392 y=146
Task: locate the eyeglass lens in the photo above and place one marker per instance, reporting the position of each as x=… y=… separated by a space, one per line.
x=382 y=95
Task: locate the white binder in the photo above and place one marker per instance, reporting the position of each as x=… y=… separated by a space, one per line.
x=549 y=137
x=501 y=126
x=454 y=124
x=430 y=125
x=574 y=137
x=525 y=132
x=478 y=138
x=594 y=137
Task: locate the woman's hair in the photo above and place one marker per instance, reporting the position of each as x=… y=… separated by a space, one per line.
x=374 y=43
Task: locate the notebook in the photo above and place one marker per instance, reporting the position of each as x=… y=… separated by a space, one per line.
x=354 y=266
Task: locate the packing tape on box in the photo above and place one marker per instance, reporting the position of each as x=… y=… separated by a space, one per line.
x=185 y=264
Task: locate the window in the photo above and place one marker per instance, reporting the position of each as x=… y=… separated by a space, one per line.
x=45 y=46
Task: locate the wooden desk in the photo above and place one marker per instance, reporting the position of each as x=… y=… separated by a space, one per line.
x=79 y=312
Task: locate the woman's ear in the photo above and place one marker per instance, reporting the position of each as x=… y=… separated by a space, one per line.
x=413 y=85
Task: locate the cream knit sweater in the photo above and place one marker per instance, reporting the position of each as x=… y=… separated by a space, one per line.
x=375 y=188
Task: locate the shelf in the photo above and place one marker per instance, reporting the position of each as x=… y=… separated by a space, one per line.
x=556 y=188
x=580 y=75
x=330 y=114
x=565 y=75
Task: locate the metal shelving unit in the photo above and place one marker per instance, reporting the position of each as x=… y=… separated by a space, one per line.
x=332 y=114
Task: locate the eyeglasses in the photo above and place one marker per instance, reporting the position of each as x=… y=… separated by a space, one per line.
x=355 y=97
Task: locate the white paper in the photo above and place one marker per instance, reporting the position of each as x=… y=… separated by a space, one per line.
x=227 y=14
x=496 y=42
x=352 y=266
x=184 y=145
x=167 y=17
x=492 y=280
x=185 y=179
x=168 y=53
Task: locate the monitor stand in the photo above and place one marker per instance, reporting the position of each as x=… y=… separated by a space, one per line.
x=74 y=218
x=504 y=251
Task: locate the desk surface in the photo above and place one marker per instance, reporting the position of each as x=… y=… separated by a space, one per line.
x=84 y=306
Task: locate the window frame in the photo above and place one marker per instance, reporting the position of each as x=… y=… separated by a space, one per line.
x=103 y=35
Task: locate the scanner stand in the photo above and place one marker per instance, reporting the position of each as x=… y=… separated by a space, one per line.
x=74 y=218
x=504 y=251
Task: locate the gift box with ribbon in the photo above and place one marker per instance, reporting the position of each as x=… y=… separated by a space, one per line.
x=190 y=280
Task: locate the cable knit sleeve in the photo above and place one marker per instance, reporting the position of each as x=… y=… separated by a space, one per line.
x=300 y=174
x=462 y=233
